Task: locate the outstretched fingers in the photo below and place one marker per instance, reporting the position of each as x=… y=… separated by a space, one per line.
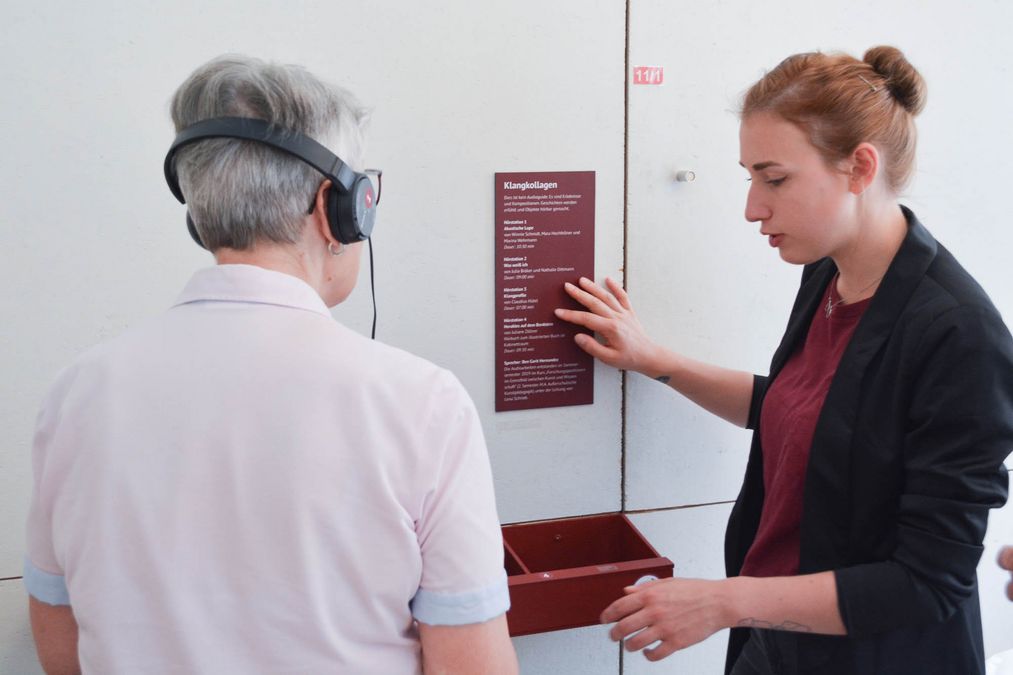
x=663 y=650
x=596 y=349
x=585 y=319
x=592 y=301
x=618 y=611
x=619 y=292
x=609 y=297
x=641 y=639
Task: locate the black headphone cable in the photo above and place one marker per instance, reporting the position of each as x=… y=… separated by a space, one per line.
x=372 y=287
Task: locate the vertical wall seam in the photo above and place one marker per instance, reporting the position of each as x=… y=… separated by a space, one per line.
x=626 y=258
x=626 y=272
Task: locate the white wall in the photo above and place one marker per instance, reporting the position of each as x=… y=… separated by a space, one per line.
x=91 y=240
x=17 y=651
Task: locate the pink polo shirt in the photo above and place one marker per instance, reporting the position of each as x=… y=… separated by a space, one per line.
x=243 y=485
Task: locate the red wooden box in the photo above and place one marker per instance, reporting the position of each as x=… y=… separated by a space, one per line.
x=564 y=573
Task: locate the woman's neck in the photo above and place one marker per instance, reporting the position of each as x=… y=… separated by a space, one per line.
x=864 y=261
x=287 y=259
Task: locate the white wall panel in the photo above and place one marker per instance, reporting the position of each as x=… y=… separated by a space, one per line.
x=580 y=651
x=677 y=453
x=17 y=651
x=693 y=539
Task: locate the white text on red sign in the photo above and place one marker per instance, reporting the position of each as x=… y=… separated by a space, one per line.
x=648 y=75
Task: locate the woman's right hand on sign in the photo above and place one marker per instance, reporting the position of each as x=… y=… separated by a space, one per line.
x=623 y=342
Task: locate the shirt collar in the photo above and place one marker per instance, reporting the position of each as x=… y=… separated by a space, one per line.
x=249 y=283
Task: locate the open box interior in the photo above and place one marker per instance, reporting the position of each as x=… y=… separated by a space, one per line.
x=568 y=543
x=563 y=573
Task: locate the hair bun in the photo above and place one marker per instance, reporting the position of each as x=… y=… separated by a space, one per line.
x=904 y=82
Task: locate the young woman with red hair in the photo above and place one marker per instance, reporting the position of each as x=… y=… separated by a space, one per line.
x=881 y=428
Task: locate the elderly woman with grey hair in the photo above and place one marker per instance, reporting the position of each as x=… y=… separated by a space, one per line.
x=242 y=484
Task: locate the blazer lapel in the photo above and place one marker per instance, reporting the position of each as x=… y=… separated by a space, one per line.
x=826 y=519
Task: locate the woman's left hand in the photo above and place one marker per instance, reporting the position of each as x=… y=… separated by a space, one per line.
x=678 y=612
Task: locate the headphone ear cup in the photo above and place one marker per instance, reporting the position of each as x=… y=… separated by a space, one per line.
x=343 y=216
x=192 y=229
x=364 y=202
x=336 y=217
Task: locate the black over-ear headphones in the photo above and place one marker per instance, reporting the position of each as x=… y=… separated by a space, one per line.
x=351 y=203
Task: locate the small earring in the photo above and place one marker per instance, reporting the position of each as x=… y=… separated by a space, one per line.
x=330 y=248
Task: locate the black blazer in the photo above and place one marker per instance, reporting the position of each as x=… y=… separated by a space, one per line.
x=905 y=463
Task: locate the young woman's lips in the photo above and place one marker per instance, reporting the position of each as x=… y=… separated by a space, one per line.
x=775 y=239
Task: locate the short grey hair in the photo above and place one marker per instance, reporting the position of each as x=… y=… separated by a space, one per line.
x=241 y=191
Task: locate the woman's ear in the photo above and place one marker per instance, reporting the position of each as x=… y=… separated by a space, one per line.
x=864 y=163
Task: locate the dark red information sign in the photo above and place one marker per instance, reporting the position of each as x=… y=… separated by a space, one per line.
x=544 y=237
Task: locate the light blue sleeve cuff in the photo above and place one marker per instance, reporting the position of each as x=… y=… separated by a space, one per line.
x=45 y=587
x=456 y=609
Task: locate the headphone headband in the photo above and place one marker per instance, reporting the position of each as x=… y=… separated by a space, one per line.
x=250 y=129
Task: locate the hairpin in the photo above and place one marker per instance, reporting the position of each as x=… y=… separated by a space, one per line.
x=871 y=86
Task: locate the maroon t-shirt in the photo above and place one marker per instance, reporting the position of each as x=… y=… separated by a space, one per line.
x=788 y=418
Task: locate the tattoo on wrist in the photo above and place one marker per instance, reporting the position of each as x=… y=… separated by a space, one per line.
x=784 y=625
x=663 y=379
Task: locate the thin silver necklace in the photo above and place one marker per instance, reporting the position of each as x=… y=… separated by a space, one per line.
x=828 y=309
